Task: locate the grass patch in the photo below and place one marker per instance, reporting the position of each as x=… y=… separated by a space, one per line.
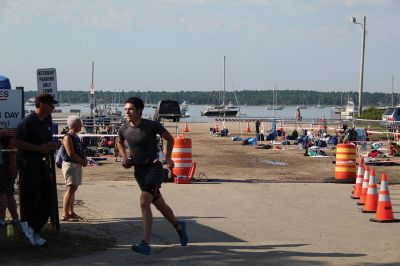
x=60 y=245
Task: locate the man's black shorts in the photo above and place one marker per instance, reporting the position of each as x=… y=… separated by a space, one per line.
x=150 y=178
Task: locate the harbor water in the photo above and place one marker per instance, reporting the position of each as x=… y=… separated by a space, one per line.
x=246 y=112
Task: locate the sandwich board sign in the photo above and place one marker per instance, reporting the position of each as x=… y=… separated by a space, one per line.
x=10 y=108
x=47 y=81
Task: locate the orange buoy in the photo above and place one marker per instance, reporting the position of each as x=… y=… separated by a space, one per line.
x=182 y=156
x=345 y=169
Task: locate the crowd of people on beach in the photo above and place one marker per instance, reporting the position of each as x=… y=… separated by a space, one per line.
x=33 y=139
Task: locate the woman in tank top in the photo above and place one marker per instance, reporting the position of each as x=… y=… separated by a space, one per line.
x=73 y=161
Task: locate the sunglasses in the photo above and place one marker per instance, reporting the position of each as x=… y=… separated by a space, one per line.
x=50 y=104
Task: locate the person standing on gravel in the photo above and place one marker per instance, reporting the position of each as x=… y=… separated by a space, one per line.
x=35 y=143
x=73 y=162
x=141 y=136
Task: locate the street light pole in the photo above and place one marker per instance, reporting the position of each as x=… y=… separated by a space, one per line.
x=360 y=90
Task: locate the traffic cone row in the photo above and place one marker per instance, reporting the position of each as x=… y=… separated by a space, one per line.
x=186 y=129
x=367 y=193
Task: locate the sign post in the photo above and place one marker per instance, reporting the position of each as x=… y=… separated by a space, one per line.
x=47 y=82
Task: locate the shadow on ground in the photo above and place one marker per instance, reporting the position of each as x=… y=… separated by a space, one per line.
x=206 y=246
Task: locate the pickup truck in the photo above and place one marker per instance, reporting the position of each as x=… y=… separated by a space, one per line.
x=167 y=109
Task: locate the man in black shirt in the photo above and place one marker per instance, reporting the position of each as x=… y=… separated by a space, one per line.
x=141 y=136
x=35 y=142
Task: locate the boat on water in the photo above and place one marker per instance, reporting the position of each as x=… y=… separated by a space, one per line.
x=222 y=109
x=30 y=102
x=349 y=110
x=147 y=102
x=319 y=105
x=275 y=105
x=184 y=110
x=338 y=109
x=302 y=106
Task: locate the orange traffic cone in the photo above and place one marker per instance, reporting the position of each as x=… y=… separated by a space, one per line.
x=248 y=127
x=359 y=180
x=371 y=200
x=186 y=129
x=384 y=212
x=364 y=188
x=216 y=129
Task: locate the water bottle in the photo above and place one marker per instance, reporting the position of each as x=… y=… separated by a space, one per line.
x=10 y=231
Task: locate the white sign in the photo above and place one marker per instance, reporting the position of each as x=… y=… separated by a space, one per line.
x=10 y=108
x=47 y=81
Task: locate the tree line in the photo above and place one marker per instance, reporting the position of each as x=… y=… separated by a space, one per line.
x=245 y=97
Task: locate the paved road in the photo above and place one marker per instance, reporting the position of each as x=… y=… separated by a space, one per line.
x=243 y=223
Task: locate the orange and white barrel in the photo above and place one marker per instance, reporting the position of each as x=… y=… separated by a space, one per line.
x=182 y=156
x=346 y=155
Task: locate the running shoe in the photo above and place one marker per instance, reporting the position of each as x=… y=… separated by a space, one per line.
x=183 y=236
x=142 y=248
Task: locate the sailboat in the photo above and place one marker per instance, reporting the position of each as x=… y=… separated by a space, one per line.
x=62 y=103
x=275 y=105
x=223 y=109
x=304 y=104
x=148 y=101
x=319 y=103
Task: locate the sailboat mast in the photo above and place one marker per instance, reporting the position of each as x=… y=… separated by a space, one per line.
x=223 y=99
x=392 y=91
x=92 y=100
x=223 y=95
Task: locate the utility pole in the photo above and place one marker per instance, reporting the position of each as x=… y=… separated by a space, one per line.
x=361 y=83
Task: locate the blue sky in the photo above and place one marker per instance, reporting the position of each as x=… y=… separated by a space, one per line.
x=177 y=45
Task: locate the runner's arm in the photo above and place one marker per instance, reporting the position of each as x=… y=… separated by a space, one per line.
x=170 y=144
x=122 y=151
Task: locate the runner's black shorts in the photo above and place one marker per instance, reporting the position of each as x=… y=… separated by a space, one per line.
x=149 y=178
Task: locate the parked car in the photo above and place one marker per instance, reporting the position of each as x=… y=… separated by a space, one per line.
x=167 y=109
x=391 y=114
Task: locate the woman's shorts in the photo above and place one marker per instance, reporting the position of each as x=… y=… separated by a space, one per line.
x=72 y=173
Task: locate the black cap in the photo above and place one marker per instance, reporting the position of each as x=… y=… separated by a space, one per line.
x=45 y=98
